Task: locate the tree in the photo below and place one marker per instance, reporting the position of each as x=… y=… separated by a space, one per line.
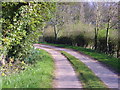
x=98 y=17
x=20 y=22
x=111 y=21
x=118 y=27
x=57 y=21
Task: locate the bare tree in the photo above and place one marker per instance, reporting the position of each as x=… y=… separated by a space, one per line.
x=118 y=45
x=58 y=20
x=111 y=20
x=97 y=17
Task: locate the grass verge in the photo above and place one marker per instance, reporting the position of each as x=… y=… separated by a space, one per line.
x=109 y=61
x=0 y=82
x=86 y=76
x=38 y=75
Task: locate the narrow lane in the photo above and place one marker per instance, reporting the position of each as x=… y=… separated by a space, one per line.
x=107 y=76
x=65 y=76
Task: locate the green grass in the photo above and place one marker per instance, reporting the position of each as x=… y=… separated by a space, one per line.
x=38 y=75
x=86 y=76
x=109 y=61
x=0 y=82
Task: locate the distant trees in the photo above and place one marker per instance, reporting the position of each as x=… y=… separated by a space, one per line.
x=104 y=16
x=112 y=21
x=78 y=20
x=57 y=21
x=97 y=18
x=118 y=27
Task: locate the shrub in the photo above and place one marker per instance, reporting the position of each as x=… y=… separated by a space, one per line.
x=16 y=66
x=64 y=40
x=21 y=24
x=80 y=40
x=33 y=56
x=50 y=39
x=102 y=45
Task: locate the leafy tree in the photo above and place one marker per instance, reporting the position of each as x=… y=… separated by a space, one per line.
x=20 y=23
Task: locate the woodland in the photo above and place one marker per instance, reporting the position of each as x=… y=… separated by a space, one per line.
x=91 y=26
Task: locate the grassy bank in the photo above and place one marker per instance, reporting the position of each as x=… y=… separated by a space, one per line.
x=86 y=76
x=37 y=75
x=109 y=61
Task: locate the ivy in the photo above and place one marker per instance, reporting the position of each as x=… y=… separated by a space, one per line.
x=21 y=26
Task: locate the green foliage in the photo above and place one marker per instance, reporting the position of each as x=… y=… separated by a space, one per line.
x=11 y=68
x=102 y=45
x=20 y=23
x=38 y=75
x=0 y=82
x=112 y=43
x=34 y=55
x=14 y=67
x=50 y=39
x=86 y=76
x=65 y=40
x=80 y=40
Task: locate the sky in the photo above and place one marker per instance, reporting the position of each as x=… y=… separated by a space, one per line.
x=63 y=0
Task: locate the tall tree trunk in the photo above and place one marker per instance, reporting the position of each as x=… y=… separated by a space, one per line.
x=96 y=38
x=118 y=47
x=55 y=32
x=97 y=21
x=43 y=32
x=107 y=40
x=118 y=50
x=107 y=37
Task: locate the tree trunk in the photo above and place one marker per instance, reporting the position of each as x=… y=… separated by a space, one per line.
x=43 y=34
x=118 y=50
x=96 y=38
x=55 y=32
x=107 y=37
x=107 y=40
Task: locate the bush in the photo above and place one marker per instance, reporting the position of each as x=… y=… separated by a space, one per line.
x=102 y=46
x=33 y=56
x=11 y=68
x=64 y=40
x=16 y=66
x=21 y=24
x=80 y=40
x=50 y=39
